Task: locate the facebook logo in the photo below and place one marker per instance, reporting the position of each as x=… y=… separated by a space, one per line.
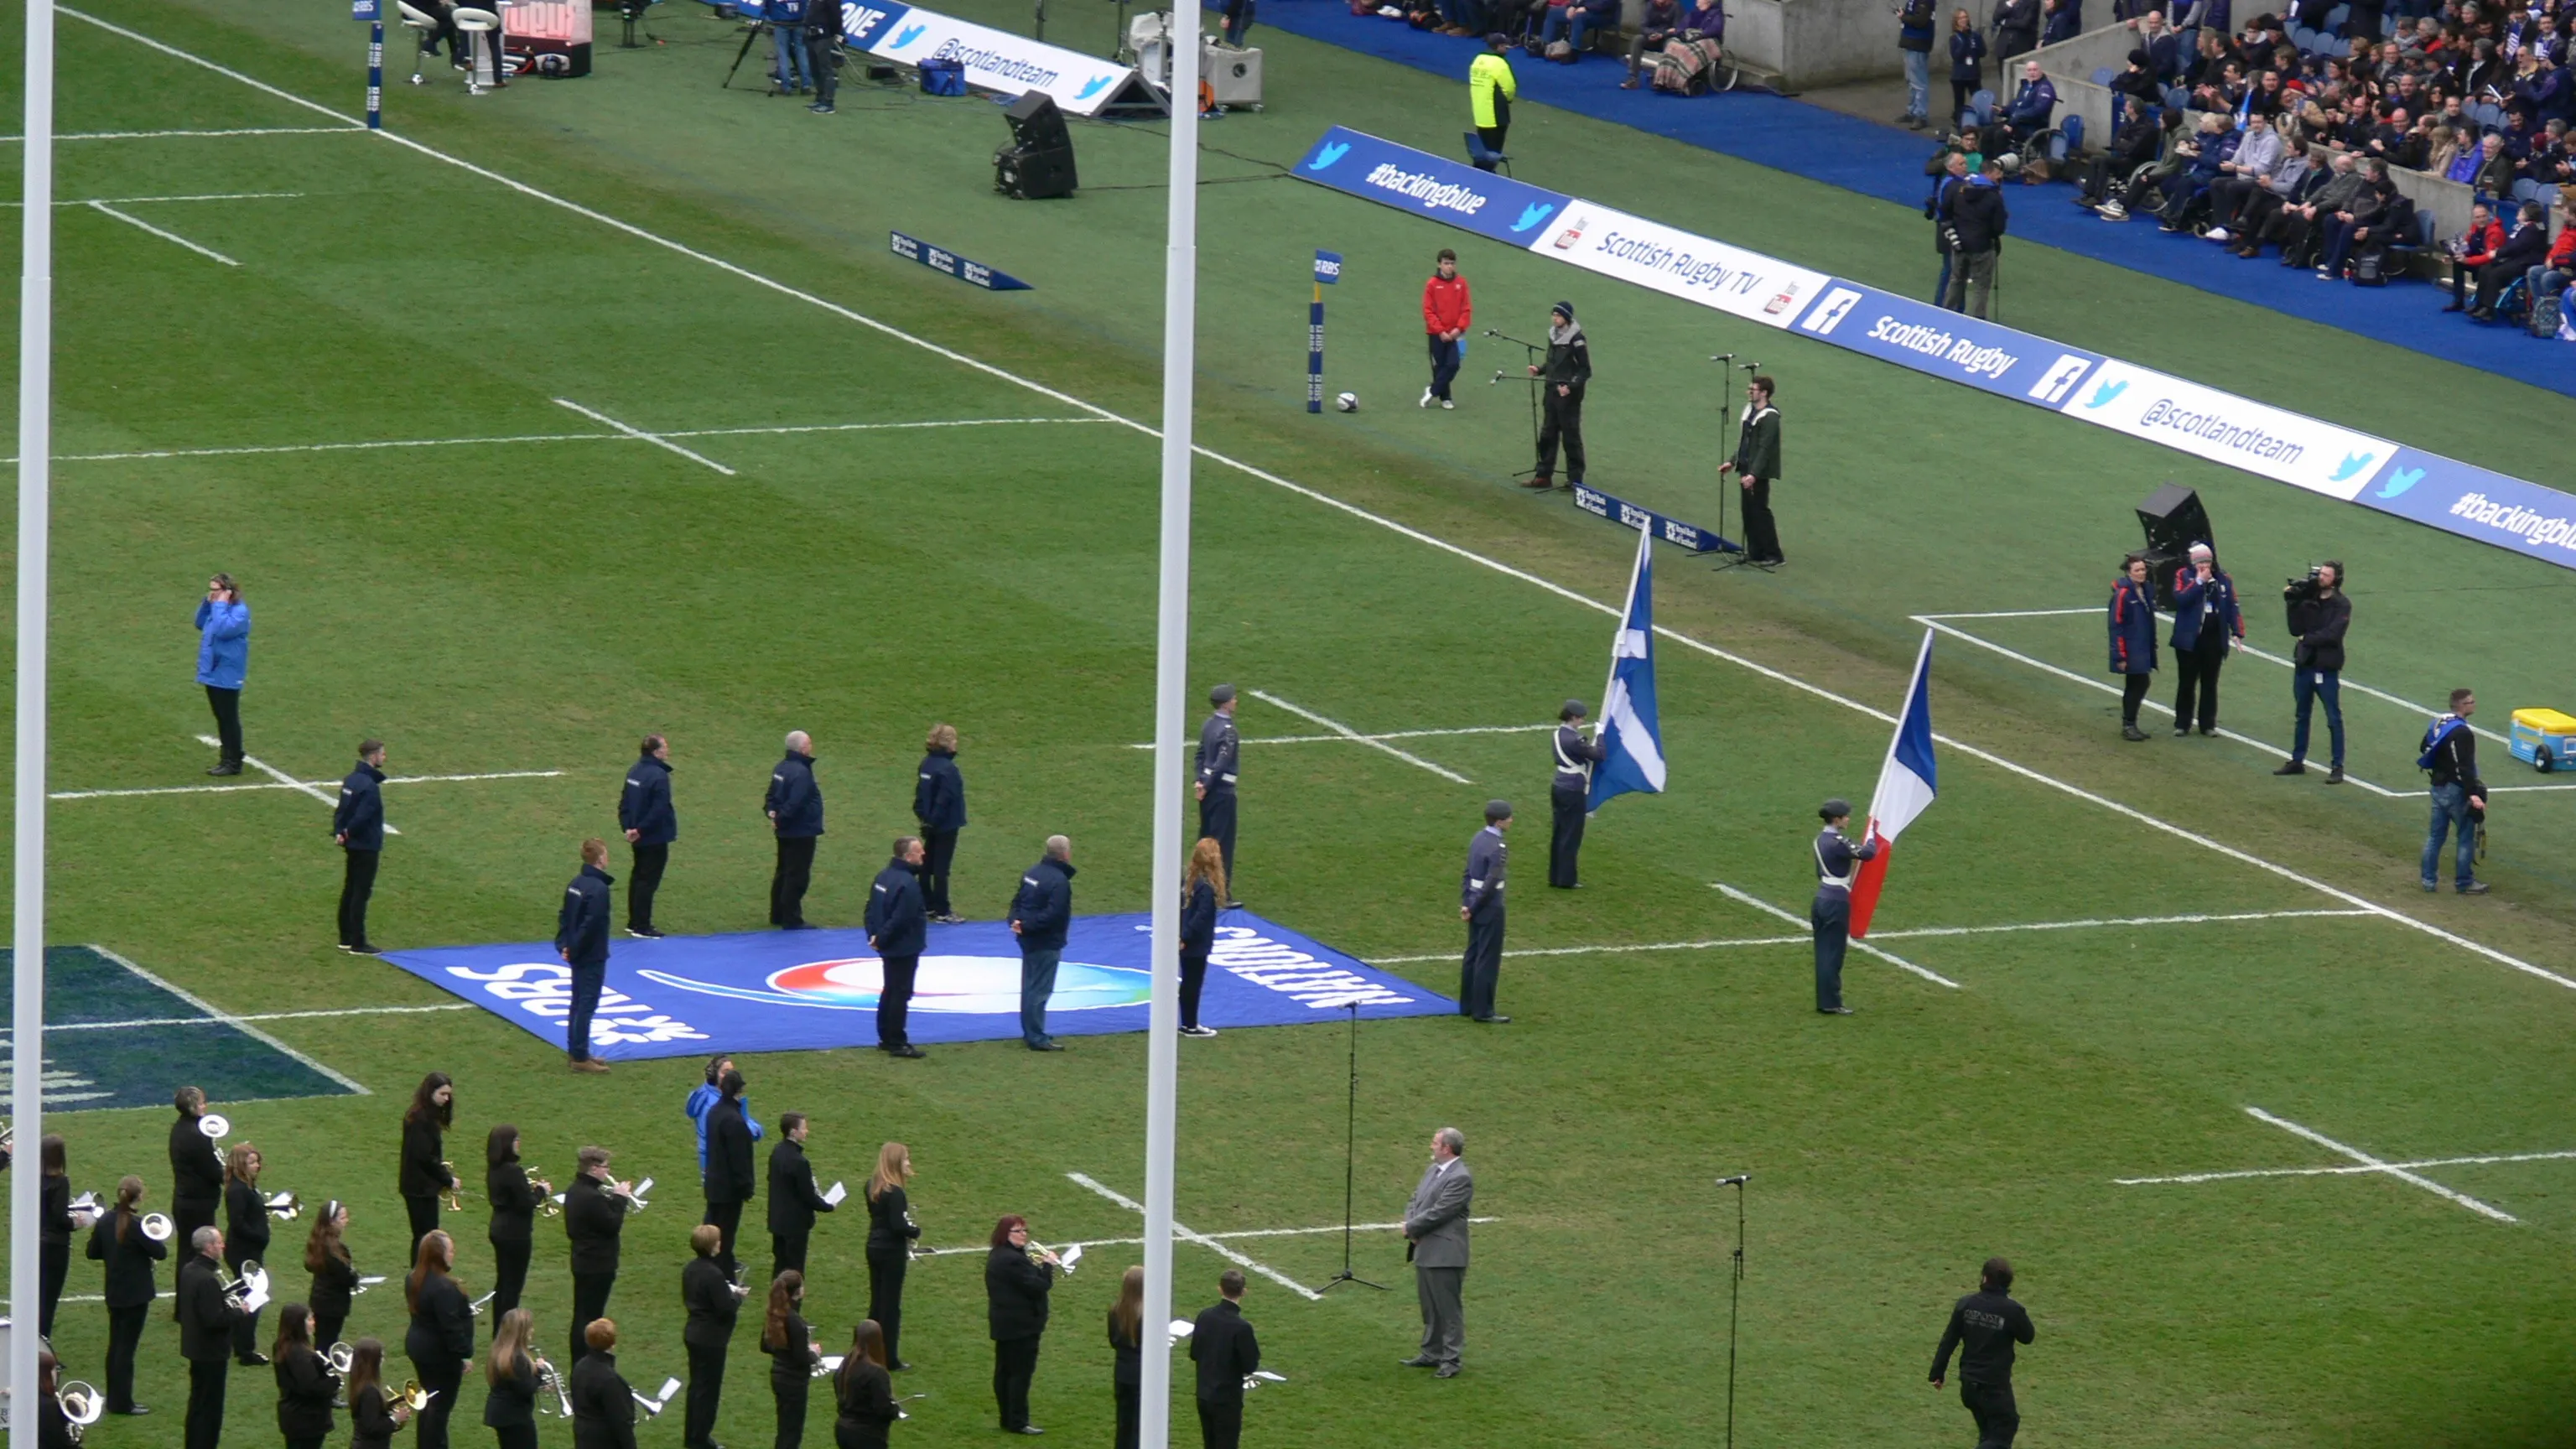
x=1829 y=313
x=2060 y=379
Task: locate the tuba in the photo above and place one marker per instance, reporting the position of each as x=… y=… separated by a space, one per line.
x=547 y=1378
x=157 y=1227
x=82 y=1405
x=339 y=1356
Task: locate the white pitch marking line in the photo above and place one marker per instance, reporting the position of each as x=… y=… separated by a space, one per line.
x=2193 y=920
x=2378 y=1165
x=656 y=439
x=54 y=1026
x=2479 y=1161
x=1367 y=739
x=1890 y=957
x=240 y=1024
x=2010 y=614
x=351 y=129
x=1204 y=1241
x=1212 y=1237
x=138 y=200
x=1458 y=551
x=877 y=427
x=307 y=786
x=1355 y=737
x=153 y=453
x=285 y=779
x=103 y=209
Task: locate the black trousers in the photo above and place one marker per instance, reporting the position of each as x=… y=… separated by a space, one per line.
x=423 y=1212
x=227 y=707
x=787 y=1399
x=1193 y=981
x=2196 y=678
x=246 y=1328
x=642 y=882
x=54 y=1264
x=1131 y=1411
x=1216 y=822
x=787 y=1250
x=514 y=1436
x=206 y=1402
x=1483 y=965
x=587 y=983
x=1761 y=531
x=1493 y=137
x=124 y=1333
x=186 y=1216
x=1998 y=1418
x=823 y=66
x=885 y=1298
x=1015 y=1366
x=938 y=852
x=788 y=882
x=1220 y=1424
x=1560 y=419
x=2133 y=692
x=706 y=1386
x=1565 y=837
x=589 y=1300
x=727 y=1216
x=441 y=1376
x=315 y=1441
x=509 y=1280
x=1829 y=914
x=357 y=883
x=326 y=1329
x=894 y=1000
x=1445 y=358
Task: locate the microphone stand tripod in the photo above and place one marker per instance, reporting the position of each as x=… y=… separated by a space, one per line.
x=1350 y=1150
x=1534 y=353
x=1727 y=421
x=1734 y=1296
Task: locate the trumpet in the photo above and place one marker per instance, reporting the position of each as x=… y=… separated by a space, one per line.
x=371 y=1281
x=826 y=1365
x=216 y=1126
x=547 y=1378
x=339 y=1356
x=413 y=1396
x=478 y=1305
x=545 y=1187
x=1041 y=1253
x=82 y=1405
x=157 y=1227
x=634 y=1196
x=286 y=1207
x=654 y=1407
x=454 y=1195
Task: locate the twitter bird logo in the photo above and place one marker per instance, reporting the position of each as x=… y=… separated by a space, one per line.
x=1091 y=87
x=2399 y=481
x=907 y=36
x=2352 y=463
x=1533 y=214
x=2102 y=395
x=1325 y=156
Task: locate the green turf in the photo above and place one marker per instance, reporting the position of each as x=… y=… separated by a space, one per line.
x=537 y=605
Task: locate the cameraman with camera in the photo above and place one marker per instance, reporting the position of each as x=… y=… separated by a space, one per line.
x=2319 y=615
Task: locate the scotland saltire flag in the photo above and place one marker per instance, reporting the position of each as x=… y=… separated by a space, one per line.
x=1905 y=788
x=1633 y=740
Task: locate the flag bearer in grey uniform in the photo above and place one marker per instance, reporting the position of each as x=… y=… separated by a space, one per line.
x=1480 y=905
x=1220 y=755
x=1569 y=793
x=1837 y=861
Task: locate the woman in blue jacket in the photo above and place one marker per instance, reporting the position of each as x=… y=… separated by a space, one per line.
x=2133 y=641
x=1967 y=50
x=223 y=659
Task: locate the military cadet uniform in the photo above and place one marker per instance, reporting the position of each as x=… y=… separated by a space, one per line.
x=1570 y=794
x=1837 y=862
x=1220 y=756
x=1481 y=898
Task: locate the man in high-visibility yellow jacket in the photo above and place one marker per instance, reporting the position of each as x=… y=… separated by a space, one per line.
x=1491 y=89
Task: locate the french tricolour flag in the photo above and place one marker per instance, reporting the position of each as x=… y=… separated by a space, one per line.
x=1905 y=788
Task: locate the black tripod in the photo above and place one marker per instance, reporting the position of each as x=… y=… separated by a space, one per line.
x=1534 y=352
x=750 y=37
x=632 y=12
x=1350 y=1150
x=1736 y=557
x=1734 y=1296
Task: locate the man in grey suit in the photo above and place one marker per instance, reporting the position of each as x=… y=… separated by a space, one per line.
x=1435 y=1238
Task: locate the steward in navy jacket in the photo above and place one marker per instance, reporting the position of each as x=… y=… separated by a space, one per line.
x=360 y=814
x=581 y=931
x=794 y=799
x=2133 y=627
x=2197 y=606
x=939 y=795
x=1044 y=907
x=645 y=807
x=898 y=924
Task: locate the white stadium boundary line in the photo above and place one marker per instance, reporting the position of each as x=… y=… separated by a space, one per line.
x=1370 y=739
x=877 y=427
x=146 y=454
x=2376 y=1165
x=240 y=1024
x=103 y=209
x=1890 y=957
x=306 y=786
x=2478 y=1161
x=1919 y=931
x=1458 y=551
x=353 y=129
x=139 y=200
x=287 y=780
x=656 y=439
x=54 y=1026
x=1355 y=737
x=1203 y=1240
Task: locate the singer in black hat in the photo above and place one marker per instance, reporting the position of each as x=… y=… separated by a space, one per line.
x=1561 y=378
x=1570 y=794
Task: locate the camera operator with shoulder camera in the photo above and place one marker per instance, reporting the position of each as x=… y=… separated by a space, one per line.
x=2319 y=616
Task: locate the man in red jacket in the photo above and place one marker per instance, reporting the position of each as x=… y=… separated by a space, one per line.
x=2474 y=249
x=1446 y=311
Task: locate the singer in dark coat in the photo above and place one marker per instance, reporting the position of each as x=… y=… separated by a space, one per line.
x=1561 y=382
x=706 y=1291
x=868 y=1410
x=603 y=1407
x=791 y=1377
x=2132 y=620
x=1756 y=467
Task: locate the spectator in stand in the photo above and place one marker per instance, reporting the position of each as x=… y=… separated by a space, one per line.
x=2300 y=174
x=1579 y=19
x=2064 y=21
x=1977 y=223
x=2483 y=74
x=1706 y=21
x=2258 y=158
x=2444 y=148
x=2471 y=250
x=2209 y=150
x=2139 y=80
x=2362 y=22
x=2265 y=96
x=2550 y=278
x=2550 y=163
x=2132 y=146
x=2526 y=248
x=2297 y=223
x=1656 y=26
x=1967 y=63
x=2032 y=104
x=1464 y=17
x=2541 y=84
x=2366 y=216
x=1544 y=16
x=1914 y=42
x=2016 y=28
x=2494 y=175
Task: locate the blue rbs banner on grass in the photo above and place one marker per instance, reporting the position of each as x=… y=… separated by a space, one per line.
x=116 y=1035
x=814 y=990
x=1432 y=186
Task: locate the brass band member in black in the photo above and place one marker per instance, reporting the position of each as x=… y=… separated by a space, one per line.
x=514 y=1219
x=117 y=1241
x=1226 y=1353
x=594 y=1215
x=793 y=1353
x=793 y=1198
x=865 y=1392
x=510 y=1410
x=707 y=1292
x=891 y=1234
x=440 y=1341
x=1202 y=886
x=1569 y=793
x=425 y=1173
x=1561 y=380
x=305 y=1386
x=1017 y=1280
x=730 y=1180
x=245 y=1238
x=603 y=1407
x=57 y=1222
x=335 y=1277
x=1127 y=1353
x=1756 y=466
x=206 y=1317
x=374 y=1414
x=196 y=1170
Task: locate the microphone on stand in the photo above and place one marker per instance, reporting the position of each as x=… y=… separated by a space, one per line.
x=1491 y=332
x=1750 y=366
x=1739 y=1180
x=1723 y=357
x=1497 y=377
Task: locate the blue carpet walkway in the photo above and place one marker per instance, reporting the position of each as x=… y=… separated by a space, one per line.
x=1887 y=163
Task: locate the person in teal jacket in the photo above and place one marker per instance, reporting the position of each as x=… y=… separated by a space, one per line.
x=223 y=661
